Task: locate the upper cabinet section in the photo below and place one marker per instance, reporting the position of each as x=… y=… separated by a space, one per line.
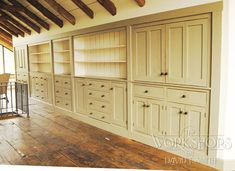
x=40 y=57
x=62 y=56
x=177 y=53
x=102 y=54
x=21 y=58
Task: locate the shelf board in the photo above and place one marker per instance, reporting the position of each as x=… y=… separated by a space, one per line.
x=40 y=53
x=101 y=48
x=61 y=51
x=40 y=62
x=62 y=62
x=100 y=61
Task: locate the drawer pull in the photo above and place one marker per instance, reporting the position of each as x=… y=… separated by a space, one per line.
x=90 y=84
x=90 y=103
x=102 y=86
x=65 y=93
x=57 y=81
x=111 y=88
x=42 y=97
x=162 y=74
x=166 y=74
x=41 y=84
x=144 y=105
x=146 y=91
x=42 y=91
x=102 y=117
x=181 y=112
x=103 y=106
x=102 y=95
x=57 y=91
x=45 y=79
x=83 y=85
x=185 y=113
x=90 y=93
x=183 y=96
x=57 y=101
x=66 y=104
x=147 y=106
x=65 y=82
x=91 y=113
x=41 y=77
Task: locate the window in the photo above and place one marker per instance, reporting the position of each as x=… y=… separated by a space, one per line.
x=7 y=62
x=1 y=60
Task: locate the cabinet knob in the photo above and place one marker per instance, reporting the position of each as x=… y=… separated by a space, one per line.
x=102 y=117
x=57 y=81
x=102 y=96
x=146 y=91
x=111 y=88
x=66 y=104
x=144 y=105
x=83 y=85
x=185 y=113
x=90 y=103
x=57 y=91
x=180 y=112
x=66 y=93
x=102 y=86
x=183 y=96
x=162 y=74
x=147 y=106
x=90 y=84
x=166 y=74
x=90 y=93
x=103 y=106
x=65 y=82
x=91 y=113
x=57 y=101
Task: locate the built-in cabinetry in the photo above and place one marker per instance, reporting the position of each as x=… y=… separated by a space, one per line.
x=21 y=62
x=103 y=100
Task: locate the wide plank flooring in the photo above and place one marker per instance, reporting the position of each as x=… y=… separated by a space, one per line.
x=53 y=139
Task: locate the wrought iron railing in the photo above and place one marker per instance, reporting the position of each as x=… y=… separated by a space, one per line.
x=14 y=99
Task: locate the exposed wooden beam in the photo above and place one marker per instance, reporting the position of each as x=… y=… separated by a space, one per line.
x=5 y=43
x=141 y=3
x=63 y=12
x=8 y=30
x=84 y=8
x=15 y=22
x=21 y=17
x=12 y=27
x=46 y=12
x=5 y=34
x=109 y=6
x=30 y=14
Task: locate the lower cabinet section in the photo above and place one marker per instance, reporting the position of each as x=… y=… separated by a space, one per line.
x=102 y=100
x=22 y=77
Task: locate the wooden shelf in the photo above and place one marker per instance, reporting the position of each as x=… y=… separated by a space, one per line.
x=62 y=62
x=100 y=61
x=40 y=62
x=39 y=53
x=101 y=48
x=61 y=51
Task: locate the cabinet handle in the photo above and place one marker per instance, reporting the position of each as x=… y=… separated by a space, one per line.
x=83 y=85
x=41 y=77
x=90 y=103
x=90 y=93
x=90 y=84
x=57 y=101
x=41 y=84
x=111 y=88
x=166 y=74
x=162 y=74
x=57 y=91
x=180 y=112
x=102 y=96
x=146 y=91
x=57 y=81
x=42 y=91
x=183 y=96
x=185 y=113
x=102 y=86
x=144 y=105
x=147 y=106
x=91 y=113
x=66 y=93
x=65 y=82
x=102 y=117
x=66 y=104
x=103 y=106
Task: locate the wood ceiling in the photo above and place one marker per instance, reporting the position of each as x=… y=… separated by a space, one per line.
x=21 y=17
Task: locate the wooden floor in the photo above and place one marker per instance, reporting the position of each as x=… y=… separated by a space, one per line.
x=52 y=139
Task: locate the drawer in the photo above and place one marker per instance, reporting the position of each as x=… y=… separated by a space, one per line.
x=66 y=104
x=149 y=91
x=62 y=92
x=99 y=85
x=99 y=115
x=98 y=95
x=188 y=97
x=63 y=82
x=103 y=107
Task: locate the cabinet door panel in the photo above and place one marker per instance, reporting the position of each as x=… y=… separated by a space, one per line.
x=197 y=52
x=158 y=117
x=175 y=55
x=196 y=125
x=156 y=57
x=80 y=96
x=140 y=116
x=140 y=48
x=119 y=114
x=175 y=122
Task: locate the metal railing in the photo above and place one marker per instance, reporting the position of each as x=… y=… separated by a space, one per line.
x=14 y=99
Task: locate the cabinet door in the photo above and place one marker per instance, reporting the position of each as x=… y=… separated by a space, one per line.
x=175 y=122
x=32 y=86
x=196 y=126
x=149 y=53
x=80 y=96
x=175 y=52
x=140 y=53
x=197 y=52
x=119 y=113
x=140 y=116
x=158 y=117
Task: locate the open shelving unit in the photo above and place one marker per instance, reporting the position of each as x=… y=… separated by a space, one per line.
x=102 y=54
x=62 y=57
x=40 y=57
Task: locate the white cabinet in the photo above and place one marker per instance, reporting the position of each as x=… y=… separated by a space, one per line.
x=80 y=95
x=119 y=100
x=21 y=58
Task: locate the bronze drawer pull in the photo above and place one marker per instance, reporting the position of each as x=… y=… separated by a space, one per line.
x=166 y=74
x=103 y=106
x=90 y=93
x=91 y=113
x=65 y=82
x=102 y=86
x=183 y=96
x=111 y=88
x=90 y=84
x=147 y=106
x=185 y=113
x=83 y=85
x=102 y=117
x=56 y=81
x=57 y=101
x=66 y=104
x=180 y=112
x=146 y=91
x=162 y=74
x=90 y=103
x=144 y=105
x=57 y=91
x=102 y=95
x=66 y=93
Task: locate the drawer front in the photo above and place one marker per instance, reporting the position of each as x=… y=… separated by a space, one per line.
x=99 y=115
x=188 y=97
x=149 y=91
x=103 y=107
x=98 y=95
x=66 y=82
x=62 y=92
x=99 y=85
x=58 y=81
x=66 y=104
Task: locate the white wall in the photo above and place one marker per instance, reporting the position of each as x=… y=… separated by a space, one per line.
x=125 y=9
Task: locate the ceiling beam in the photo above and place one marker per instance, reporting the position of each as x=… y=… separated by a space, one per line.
x=84 y=8
x=30 y=14
x=15 y=22
x=63 y=12
x=12 y=27
x=8 y=30
x=5 y=34
x=46 y=12
x=109 y=6
x=141 y=3
x=5 y=43
x=21 y=17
